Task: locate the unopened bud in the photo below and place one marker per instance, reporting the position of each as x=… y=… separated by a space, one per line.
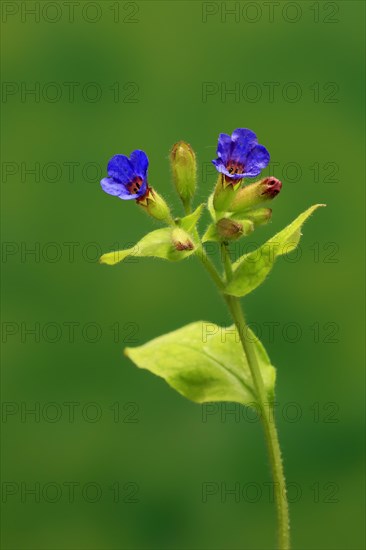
x=155 y=205
x=271 y=188
x=183 y=161
x=234 y=229
x=255 y=193
x=261 y=216
x=181 y=240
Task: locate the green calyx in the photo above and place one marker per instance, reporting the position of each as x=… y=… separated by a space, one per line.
x=155 y=206
x=229 y=229
x=224 y=194
x=260 y=216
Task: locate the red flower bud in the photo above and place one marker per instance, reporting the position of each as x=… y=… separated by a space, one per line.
x=271 y=187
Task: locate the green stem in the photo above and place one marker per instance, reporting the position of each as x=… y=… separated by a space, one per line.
x=269 y=425
x=209 y=266
x=187 y=206
x=270 y=430
x=226 y=260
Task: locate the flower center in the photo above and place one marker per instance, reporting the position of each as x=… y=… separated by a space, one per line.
x=134 y=186
x=234 y=167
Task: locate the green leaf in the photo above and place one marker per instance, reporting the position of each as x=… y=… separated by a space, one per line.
x=189 y=222
x=210 y=206
x=205 y=362
x=251 y=269
x=211 y=234
x=158 y=243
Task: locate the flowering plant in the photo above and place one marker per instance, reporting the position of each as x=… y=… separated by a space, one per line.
x=195 y=360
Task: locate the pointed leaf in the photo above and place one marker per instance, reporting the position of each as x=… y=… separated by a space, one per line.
x=158 y=243
x=210 y=207
x=251 y=269
x=189 y=222
x=211 y=234
x=205 y=362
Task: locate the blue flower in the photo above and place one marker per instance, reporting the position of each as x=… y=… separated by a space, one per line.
x=127 y=177
x=240 y=156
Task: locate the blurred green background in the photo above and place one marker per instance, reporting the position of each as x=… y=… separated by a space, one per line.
x=115 y=458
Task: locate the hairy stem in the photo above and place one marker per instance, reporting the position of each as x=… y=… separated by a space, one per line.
x=210 y=267
x=187 y=206
x=267 y=416
x=269 y=425
x=226 y=261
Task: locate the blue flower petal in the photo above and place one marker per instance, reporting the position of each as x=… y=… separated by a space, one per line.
x=112 y=187
x=257 y=159
x=244 y=134
x=254 y=172
x=220 y=166
x=140 y=162
x=224 y=147
x=234 y=176
x=125 y=195
x=120 y=169
x=243 y=149
x=243 y=140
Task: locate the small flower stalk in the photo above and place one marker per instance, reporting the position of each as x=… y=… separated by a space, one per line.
x=184 y=169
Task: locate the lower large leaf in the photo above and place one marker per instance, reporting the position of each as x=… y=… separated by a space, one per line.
x=205 y=362
x=251 y=269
